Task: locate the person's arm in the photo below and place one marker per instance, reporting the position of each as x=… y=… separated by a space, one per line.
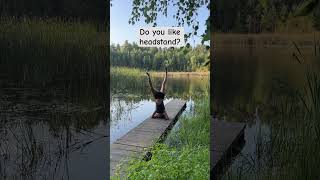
x=163 y=85
x=150 y=83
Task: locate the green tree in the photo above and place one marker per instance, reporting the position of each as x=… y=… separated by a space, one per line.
x=186 y=12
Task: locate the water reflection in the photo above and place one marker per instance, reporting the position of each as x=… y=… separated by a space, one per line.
x=52 y=128
x=248 y=81
x=246 y=78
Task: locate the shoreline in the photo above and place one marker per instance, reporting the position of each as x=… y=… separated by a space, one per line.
x=154 y=73
x=138 y=72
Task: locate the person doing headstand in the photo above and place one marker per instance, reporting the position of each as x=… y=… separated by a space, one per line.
x=160 y=111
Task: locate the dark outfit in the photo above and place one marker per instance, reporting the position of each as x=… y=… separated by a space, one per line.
x=159 y=107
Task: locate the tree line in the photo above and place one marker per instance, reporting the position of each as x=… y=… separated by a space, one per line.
x=256 y=16
x=176 y=59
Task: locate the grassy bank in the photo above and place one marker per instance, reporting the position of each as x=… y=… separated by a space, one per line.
x=181 y=74
x=185 y=153
x=135 y=72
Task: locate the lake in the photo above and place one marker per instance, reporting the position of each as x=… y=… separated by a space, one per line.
x=53 y=129
x=247 y=79
x=132 y=102
x=53 y=101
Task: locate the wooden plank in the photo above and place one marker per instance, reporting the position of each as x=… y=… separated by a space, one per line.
x=126 y=147
x=136 y=142
x=224 y=136
x=216 y=156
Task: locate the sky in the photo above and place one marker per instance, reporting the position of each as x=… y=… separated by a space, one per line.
x=121 y=30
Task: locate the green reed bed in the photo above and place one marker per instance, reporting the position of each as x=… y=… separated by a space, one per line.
x=53 y=53
x=119 y=78
x=51 y=47
x=36 y=38
x=185 y=153
x=129 y=71
x=125 y=71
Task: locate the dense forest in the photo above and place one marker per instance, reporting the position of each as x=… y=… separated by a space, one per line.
x=176 y=59
x=256 y=16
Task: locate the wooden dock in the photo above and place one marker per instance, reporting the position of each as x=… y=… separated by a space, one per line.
x=227 y=138
x=136 y=143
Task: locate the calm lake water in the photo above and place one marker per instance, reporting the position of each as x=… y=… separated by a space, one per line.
x=53 y=100
x=53 y=124
x=132 y=102
x=246 y=79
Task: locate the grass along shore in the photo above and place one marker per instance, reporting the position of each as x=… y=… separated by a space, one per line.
x=54 y=53
x=48 y=48
x=44 y=41
x=139 y=72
